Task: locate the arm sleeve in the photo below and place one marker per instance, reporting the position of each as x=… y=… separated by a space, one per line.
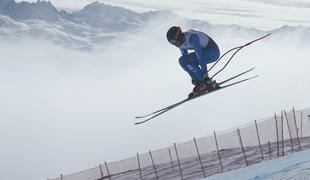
x=194 y=41
x=183 y=51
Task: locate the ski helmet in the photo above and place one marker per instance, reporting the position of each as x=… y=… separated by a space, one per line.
x=175 y=36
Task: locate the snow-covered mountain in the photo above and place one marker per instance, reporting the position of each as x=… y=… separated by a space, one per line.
x=23 y=11
x=95 y=24
x=99 y=15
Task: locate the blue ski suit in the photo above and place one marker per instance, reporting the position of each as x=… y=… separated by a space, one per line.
x=205 y=51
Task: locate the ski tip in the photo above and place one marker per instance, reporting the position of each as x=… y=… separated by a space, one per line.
x=137 y=123
x=255 y=76
x=265 y=36
x=139 y=117
x=251 y=69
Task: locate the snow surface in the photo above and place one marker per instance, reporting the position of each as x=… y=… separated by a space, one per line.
x=294 y=166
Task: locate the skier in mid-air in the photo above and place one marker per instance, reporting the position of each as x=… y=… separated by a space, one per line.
x=195 y=63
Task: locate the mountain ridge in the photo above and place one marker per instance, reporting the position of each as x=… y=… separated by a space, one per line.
x=99 y=23
x=96 y=23
x=96 y=14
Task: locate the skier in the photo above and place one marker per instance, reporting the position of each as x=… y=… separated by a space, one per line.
x=195 y=63
x=205 y=51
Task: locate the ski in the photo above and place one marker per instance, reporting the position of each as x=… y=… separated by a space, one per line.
x=223 y=82
x=189 y=99
x=229 y=79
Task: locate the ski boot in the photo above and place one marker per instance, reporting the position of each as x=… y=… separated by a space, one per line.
x=203 y=86
x=211 y=83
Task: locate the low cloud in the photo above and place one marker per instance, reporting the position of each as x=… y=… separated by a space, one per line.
x=63 y=111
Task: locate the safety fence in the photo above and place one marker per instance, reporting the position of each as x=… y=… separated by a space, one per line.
x=264 y=139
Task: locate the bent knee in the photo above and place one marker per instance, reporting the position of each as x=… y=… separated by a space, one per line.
x=214 y=55
x=182 y=60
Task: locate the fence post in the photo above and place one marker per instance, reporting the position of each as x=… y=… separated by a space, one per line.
x=218 y=152
x=301 y=125
x=61 y=177
x=101 y=172
x=203 y=171
x=242 y=147
x=282 y=132
x=258 y=138
x=106 y=166
x=176 y=151
x=153 y=164
x=269 y=147
x=289 y=131
x=171 y=159
x=296 y=128
x=277 y=131
x=139 y=165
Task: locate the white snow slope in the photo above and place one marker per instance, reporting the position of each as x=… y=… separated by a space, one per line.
x=294 y=166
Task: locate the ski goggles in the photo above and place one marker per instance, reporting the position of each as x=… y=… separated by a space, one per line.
x=173 y=42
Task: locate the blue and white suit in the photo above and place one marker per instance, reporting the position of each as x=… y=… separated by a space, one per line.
x=205 y=51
